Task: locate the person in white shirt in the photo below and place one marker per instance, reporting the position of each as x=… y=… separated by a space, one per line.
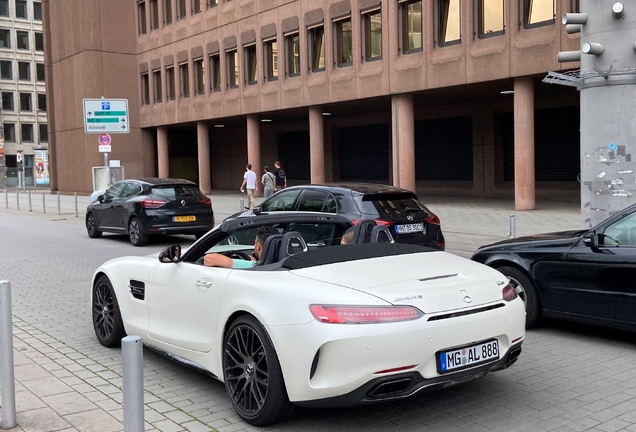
x=249 y=183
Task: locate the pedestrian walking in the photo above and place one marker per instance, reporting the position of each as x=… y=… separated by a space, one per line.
x=281 y=178
x=269 y=182
x=249 y=183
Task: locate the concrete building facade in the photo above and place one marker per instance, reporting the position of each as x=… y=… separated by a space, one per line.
x=22 y=84
x=438 y=96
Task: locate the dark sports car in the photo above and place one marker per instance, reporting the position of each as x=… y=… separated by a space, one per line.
x=145 y=207
x=587 y=276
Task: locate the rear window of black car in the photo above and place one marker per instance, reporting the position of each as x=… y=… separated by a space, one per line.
x=391 y=205
x=172 y=192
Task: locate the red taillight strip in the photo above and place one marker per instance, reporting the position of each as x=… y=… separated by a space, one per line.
x=336 y=314
x=380 y=222
x=509 y=293
x=397 y=369
x=518 y=339
x=152 y=204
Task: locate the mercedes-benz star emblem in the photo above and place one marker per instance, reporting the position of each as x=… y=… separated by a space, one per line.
x=183 y=203
x=409 y=217
x=466 y=296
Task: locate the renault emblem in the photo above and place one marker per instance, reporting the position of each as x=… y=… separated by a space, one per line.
x=466 y=296
x=409 y=217
x=183 y=203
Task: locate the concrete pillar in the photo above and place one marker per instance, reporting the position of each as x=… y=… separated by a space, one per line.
x=524 y=143
x=254 y=149
x=203 y=144
x=403 y=141
x=162 y=152
x=317 y=144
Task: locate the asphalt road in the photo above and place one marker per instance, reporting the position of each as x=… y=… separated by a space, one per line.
x=568 y=378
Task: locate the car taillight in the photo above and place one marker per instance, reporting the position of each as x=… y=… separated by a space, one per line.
x=364 y=314
x=206 y=201
x=152 y=204
x=380 y=222
x=509 y=293
x=433 y=220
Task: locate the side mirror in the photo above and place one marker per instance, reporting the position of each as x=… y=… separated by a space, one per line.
x=590 y=239
x=100 y=198
x=256 y=210
x=170 y=254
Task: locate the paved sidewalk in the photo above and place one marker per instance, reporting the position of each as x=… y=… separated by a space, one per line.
x=66 y=381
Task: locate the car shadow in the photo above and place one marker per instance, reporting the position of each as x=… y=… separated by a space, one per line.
x=154 y=240
x=583 y=331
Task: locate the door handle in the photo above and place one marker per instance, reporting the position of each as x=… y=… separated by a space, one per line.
x=204 y=283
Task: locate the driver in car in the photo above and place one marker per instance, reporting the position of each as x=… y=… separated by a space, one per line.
x=220 y=260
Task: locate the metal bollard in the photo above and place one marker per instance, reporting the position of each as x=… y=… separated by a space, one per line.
x=132 y=368
x=6 y=197
x=512 y=233
x=17 y=197
x=7 y=378
x=44 y=202
x=76 y=214
x=242 y=203
x=30 y=206
x=59 y=210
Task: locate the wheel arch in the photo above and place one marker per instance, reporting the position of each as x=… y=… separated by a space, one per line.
x=499 y=263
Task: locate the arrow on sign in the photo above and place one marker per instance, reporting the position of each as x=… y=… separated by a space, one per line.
x=123 y=126
x=123 y=120
x=90 y=113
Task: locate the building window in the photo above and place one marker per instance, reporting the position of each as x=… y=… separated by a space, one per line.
x=491 y=18
x=42 y=101
x=199 y=76
x=9 y=132
x=44 y=132
x=344 y=47
x=184 y=80
x=37 y=11
x=449 y=22
x=26 y=132
x=39 y=41
x=411 y=26
x=170 y=84
x=39 y=71
x=372 y=34
x=271 y=59
x=23 y=39
x=6 y=69
x=24 y=71
x=145 y=89
x=232 y=68
x=212 y=3
x=317 y=53
x=7 y=101
x=196 y=6
x=292 y=42
x=537 y=13
x=5 y=38
x=141 y=12
x=154 y=14
x=215 y=72
x=250 y=64
x=21 y=9
x=25 y=102
x=181 y=9
x=4 y=8
x=156 y=85
x=167 y=12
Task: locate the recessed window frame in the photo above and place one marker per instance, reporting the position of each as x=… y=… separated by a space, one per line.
x=525 y=5
x=214 y=65
x=22 y=40
x=4 y=8
x=5 y=36
x=481 y=20
x=24 y=66
x=182 y=9
x=26 y=102
x=292 y=53
x=340 y=31
x=23 y=7
x=8 y=101
x=199 y=76
x=272 y=58
x=171 y=86
x=406 y=27
x=9 y=132
x=184 y=80
x=575 y=6
x=441 y=23
x=37 y=11
x=367 y=18
x=251 y=63
x=197 y=6
x=212 y=3
x=313 y=33
x=142 y=22
x=154 y=14
x=40 y=72
x=167 y=12
x=157 y=89
x=145 y=88
x=26 y=132
x=232 y=68
x=39 y=41
x=43 y=132
x=41 y=102
x=6 y=66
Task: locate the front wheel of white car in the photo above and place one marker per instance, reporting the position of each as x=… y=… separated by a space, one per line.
x=107 y=321
x=252 y=374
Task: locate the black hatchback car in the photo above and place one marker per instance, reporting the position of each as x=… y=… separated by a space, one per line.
x=145 y=207
x=400 y=210
x=586 y=276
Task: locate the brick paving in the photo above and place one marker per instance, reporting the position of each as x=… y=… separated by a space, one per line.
x=569 y=378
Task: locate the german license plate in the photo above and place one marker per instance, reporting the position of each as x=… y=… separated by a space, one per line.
x=410 y=228
x=448 y=361
x=184 y=218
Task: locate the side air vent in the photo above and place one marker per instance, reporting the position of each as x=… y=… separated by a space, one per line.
x=466 y=312
x=137 y=289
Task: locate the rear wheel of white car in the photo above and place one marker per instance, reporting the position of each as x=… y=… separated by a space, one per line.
x=107 y=321
x=252 y=374
x=135 y=234
x=91 y=226
x=528 y=293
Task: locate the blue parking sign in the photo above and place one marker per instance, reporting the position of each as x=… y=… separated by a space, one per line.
x=105 y=105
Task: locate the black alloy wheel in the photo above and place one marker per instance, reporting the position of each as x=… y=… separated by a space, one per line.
x=135 y=234
x=107 y=321
x=91 y=226
x=525 y=289
x=252 y=374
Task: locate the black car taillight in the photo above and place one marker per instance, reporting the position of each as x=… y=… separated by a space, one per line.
x=152 y=203
x=433 y=220
x=509 y=293
x=380 y=222
x=206 y=201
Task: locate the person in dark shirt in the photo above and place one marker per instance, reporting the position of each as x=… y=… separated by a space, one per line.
x=281 y=178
